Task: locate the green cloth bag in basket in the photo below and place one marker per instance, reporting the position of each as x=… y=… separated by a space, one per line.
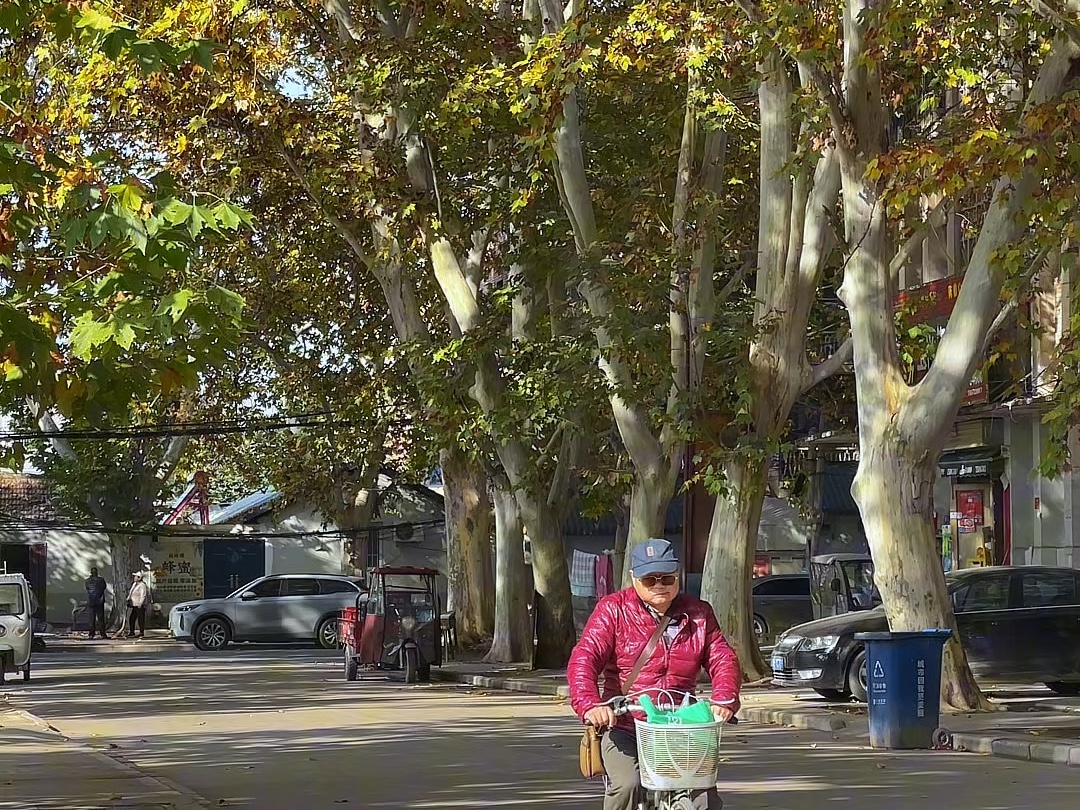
x=694 y=714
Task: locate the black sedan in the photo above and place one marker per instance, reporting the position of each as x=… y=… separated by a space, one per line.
x=1017 y=624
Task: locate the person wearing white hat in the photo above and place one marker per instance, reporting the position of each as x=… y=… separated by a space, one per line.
x=138 y=601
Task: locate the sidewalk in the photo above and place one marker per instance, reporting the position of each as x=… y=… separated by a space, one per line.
x=1037 y=729
x=155 y=641
x=42 y=769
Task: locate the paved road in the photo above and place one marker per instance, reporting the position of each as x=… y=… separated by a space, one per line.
x=280 y=730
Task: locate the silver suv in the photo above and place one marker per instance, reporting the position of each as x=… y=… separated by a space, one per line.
x=280 y=607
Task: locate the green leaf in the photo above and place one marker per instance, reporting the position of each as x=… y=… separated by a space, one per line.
x=176 y=211
x=94 y=20
x=134 y=230
x=204 y=55
x=223 y=299
x=227 y=216
x=201 y=217
x=87 y=335
x=123 y=334
x=175 y=304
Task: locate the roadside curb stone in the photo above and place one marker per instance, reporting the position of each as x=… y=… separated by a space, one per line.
x=1012 y=747
x=523 y=685
x=1002 y=746
x=803 y=720
x=124 y=647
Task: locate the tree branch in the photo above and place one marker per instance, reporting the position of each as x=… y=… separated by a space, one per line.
x=774 y=221
x=812 y=71
x=733 y=283
x=316 y=24
x=347 y=234
x=935 y=218
x=822 y=371
x=1010 y=307
x=941 y=390
x=170 y=460
x=1063 y=18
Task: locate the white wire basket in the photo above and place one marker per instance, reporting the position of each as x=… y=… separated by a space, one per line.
x=678 y=757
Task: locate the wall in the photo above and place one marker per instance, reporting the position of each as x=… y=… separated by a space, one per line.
x=70 y=556
x=1047 y=535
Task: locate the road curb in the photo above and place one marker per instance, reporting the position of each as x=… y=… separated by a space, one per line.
x=523 y=685
x=803 y=720
x=185 y=799
x=120 y=647
x=1003 y=746
x=1020 y=748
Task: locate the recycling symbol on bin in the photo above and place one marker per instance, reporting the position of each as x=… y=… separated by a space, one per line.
x=879 y=671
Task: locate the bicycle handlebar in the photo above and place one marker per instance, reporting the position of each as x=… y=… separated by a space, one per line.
x=623 y=705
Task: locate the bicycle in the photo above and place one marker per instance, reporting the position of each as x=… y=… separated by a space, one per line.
x=674 y=761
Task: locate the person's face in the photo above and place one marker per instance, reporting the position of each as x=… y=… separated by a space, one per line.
x=657 y=590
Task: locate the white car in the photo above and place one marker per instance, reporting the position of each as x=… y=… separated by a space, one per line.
x=279 y=607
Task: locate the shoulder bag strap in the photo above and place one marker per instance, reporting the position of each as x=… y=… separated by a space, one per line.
x=647 y=653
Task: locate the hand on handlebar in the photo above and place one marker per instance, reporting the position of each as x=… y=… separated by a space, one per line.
x=722 y=713
x=600 y=716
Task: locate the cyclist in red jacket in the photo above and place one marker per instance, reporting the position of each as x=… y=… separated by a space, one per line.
x=616 y=636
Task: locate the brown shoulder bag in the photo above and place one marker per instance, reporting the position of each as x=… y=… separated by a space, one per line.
x=589 y=755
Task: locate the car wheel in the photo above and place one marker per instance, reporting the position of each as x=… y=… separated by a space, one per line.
x=835 y=695
x=326 y=634
x=1064 y=688
x=857 y=679
x=212 y=634
x=761 y=630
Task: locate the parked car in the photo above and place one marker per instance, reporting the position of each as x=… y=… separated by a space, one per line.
x=280 y=607
x=781 y=601
x=1017 y=624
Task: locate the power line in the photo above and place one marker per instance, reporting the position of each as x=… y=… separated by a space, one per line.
x=208 y=428
x=171 y=533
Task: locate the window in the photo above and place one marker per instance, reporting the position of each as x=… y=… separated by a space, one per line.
x=374 y=549
x=1048 y=589
x=301 y=587
x=982 y=593
x=11 y=599
x=787 y=586
x=268 y=587
x=336 y=586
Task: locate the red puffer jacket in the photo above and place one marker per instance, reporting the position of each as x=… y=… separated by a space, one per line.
x=616 y=635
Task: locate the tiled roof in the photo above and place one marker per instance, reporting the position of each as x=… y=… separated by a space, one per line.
x=25 y=497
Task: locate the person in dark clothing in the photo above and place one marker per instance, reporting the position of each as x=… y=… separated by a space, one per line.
x=96 y=588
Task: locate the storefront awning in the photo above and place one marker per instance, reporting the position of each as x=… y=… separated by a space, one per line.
x=974 y=462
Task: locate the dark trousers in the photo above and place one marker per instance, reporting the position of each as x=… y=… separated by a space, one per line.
x=619 y=750
x=137 y=617
x=97 y=619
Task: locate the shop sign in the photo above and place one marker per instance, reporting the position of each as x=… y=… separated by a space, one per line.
x=177 y=568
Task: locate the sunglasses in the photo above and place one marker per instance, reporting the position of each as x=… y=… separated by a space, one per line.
x=666 y=580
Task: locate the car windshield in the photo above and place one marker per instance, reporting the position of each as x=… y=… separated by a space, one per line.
x=243 y=588
x=11 y=599
x=860 y=580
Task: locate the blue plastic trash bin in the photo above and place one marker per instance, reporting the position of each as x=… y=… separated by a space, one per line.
x=903 y=687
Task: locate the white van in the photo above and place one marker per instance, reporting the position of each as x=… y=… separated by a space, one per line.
x=17 y=605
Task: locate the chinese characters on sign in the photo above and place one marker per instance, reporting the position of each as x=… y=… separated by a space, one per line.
x=878 y=688
x=178 y=570
x=972 y=469
x=922 y=688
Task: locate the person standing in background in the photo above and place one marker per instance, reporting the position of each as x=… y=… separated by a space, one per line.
x=96 y=589
x=138 y=600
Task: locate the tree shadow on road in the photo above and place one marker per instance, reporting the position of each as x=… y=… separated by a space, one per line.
x=295 y=736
